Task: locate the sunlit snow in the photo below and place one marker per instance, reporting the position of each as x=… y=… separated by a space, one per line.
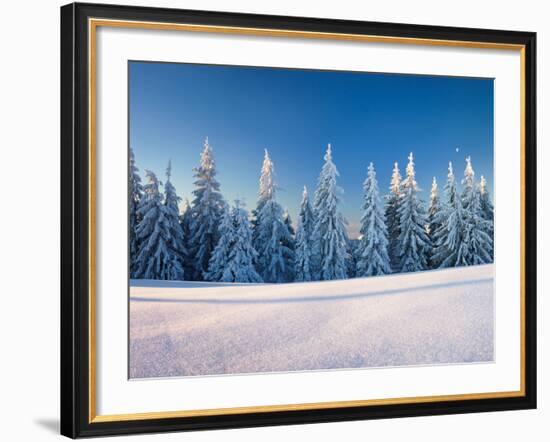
x=193 y=328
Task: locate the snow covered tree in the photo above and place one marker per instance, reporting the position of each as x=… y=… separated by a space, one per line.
x=240 y=262
x=135 y=193
x=372 y=253
x=185 y=223
x=392 y=218
x=220 y=255
x=487 y=211
x=351 y=258
x=185 y=216
x=156 y=259
x=272 y=232
x=288 y=222
x=177 y=240
x=271 y=235
x=329 y=233
x=413 y=240
x=265 y=193
x=206 y=211
x=477 y=244
x=304 y=232
x=290 y=244
x=433 y=222
x=449 y=236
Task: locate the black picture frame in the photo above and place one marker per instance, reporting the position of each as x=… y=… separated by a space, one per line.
x=75 y=219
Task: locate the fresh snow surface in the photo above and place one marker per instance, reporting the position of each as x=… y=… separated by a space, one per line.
x=192 y=328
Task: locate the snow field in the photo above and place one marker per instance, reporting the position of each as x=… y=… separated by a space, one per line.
x=192 y=328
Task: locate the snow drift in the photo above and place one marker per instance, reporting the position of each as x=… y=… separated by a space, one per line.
x=193 y=328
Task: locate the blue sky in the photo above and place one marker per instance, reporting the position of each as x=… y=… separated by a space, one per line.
x=294 y=114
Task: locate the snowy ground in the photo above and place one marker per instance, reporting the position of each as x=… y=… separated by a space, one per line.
x=181 y=329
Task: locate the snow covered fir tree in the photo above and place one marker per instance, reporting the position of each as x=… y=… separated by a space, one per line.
x=208 y=240
x=330 y=241
x=176 y=240
x=487 y=211
x=157 y=257
x=449 y=236
x=206 y=210
x=290 y=243
x=220 y=254
x=272 y=238
x=185 y=223
x=372 y=254
x=393 y=200
x=413 y=241
x=135 y=192
x=478 y=244
x=241 y=257
x=304 y=240
x=433 y=222
x=233 y=257
x=267 y=186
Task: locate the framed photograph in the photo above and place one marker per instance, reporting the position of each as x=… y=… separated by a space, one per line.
x=276 y=220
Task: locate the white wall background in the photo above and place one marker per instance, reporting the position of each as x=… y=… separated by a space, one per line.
x=29 y=219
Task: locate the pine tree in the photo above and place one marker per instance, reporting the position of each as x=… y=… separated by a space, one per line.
x=372 y=252
x=393 y=201
x=290 y=243
x=477 y=245
x=240 y=263
x=206 y=211
x=265 y=193
x=155 y=258
x=351 y=257
x=304 y=232
x=413 y=240
x=487 y=211
x=330 y=236
x=135 y=192
x=433 y=223
x=288 y=222
x=449 y=236
x=177 y=240
x=185 y=223
x=185 y=217
x=271 y=235
x=220 y=255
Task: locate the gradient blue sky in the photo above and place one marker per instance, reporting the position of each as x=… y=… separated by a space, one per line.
x=294 y=114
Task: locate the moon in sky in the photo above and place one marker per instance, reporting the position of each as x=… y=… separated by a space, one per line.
x=457 y=149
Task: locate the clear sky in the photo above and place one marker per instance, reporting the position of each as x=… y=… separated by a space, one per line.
x=294 y=114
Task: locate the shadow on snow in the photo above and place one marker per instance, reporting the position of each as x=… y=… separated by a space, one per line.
x=310 y=298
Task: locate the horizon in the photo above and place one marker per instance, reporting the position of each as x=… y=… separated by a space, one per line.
x=242 y=110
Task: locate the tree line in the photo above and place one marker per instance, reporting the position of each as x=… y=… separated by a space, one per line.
x=213 y=241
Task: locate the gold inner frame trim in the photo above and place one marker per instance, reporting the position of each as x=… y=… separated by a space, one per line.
x=93 y=24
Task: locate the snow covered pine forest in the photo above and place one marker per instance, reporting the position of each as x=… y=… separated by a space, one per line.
x=416 y=287
x=213 y=241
